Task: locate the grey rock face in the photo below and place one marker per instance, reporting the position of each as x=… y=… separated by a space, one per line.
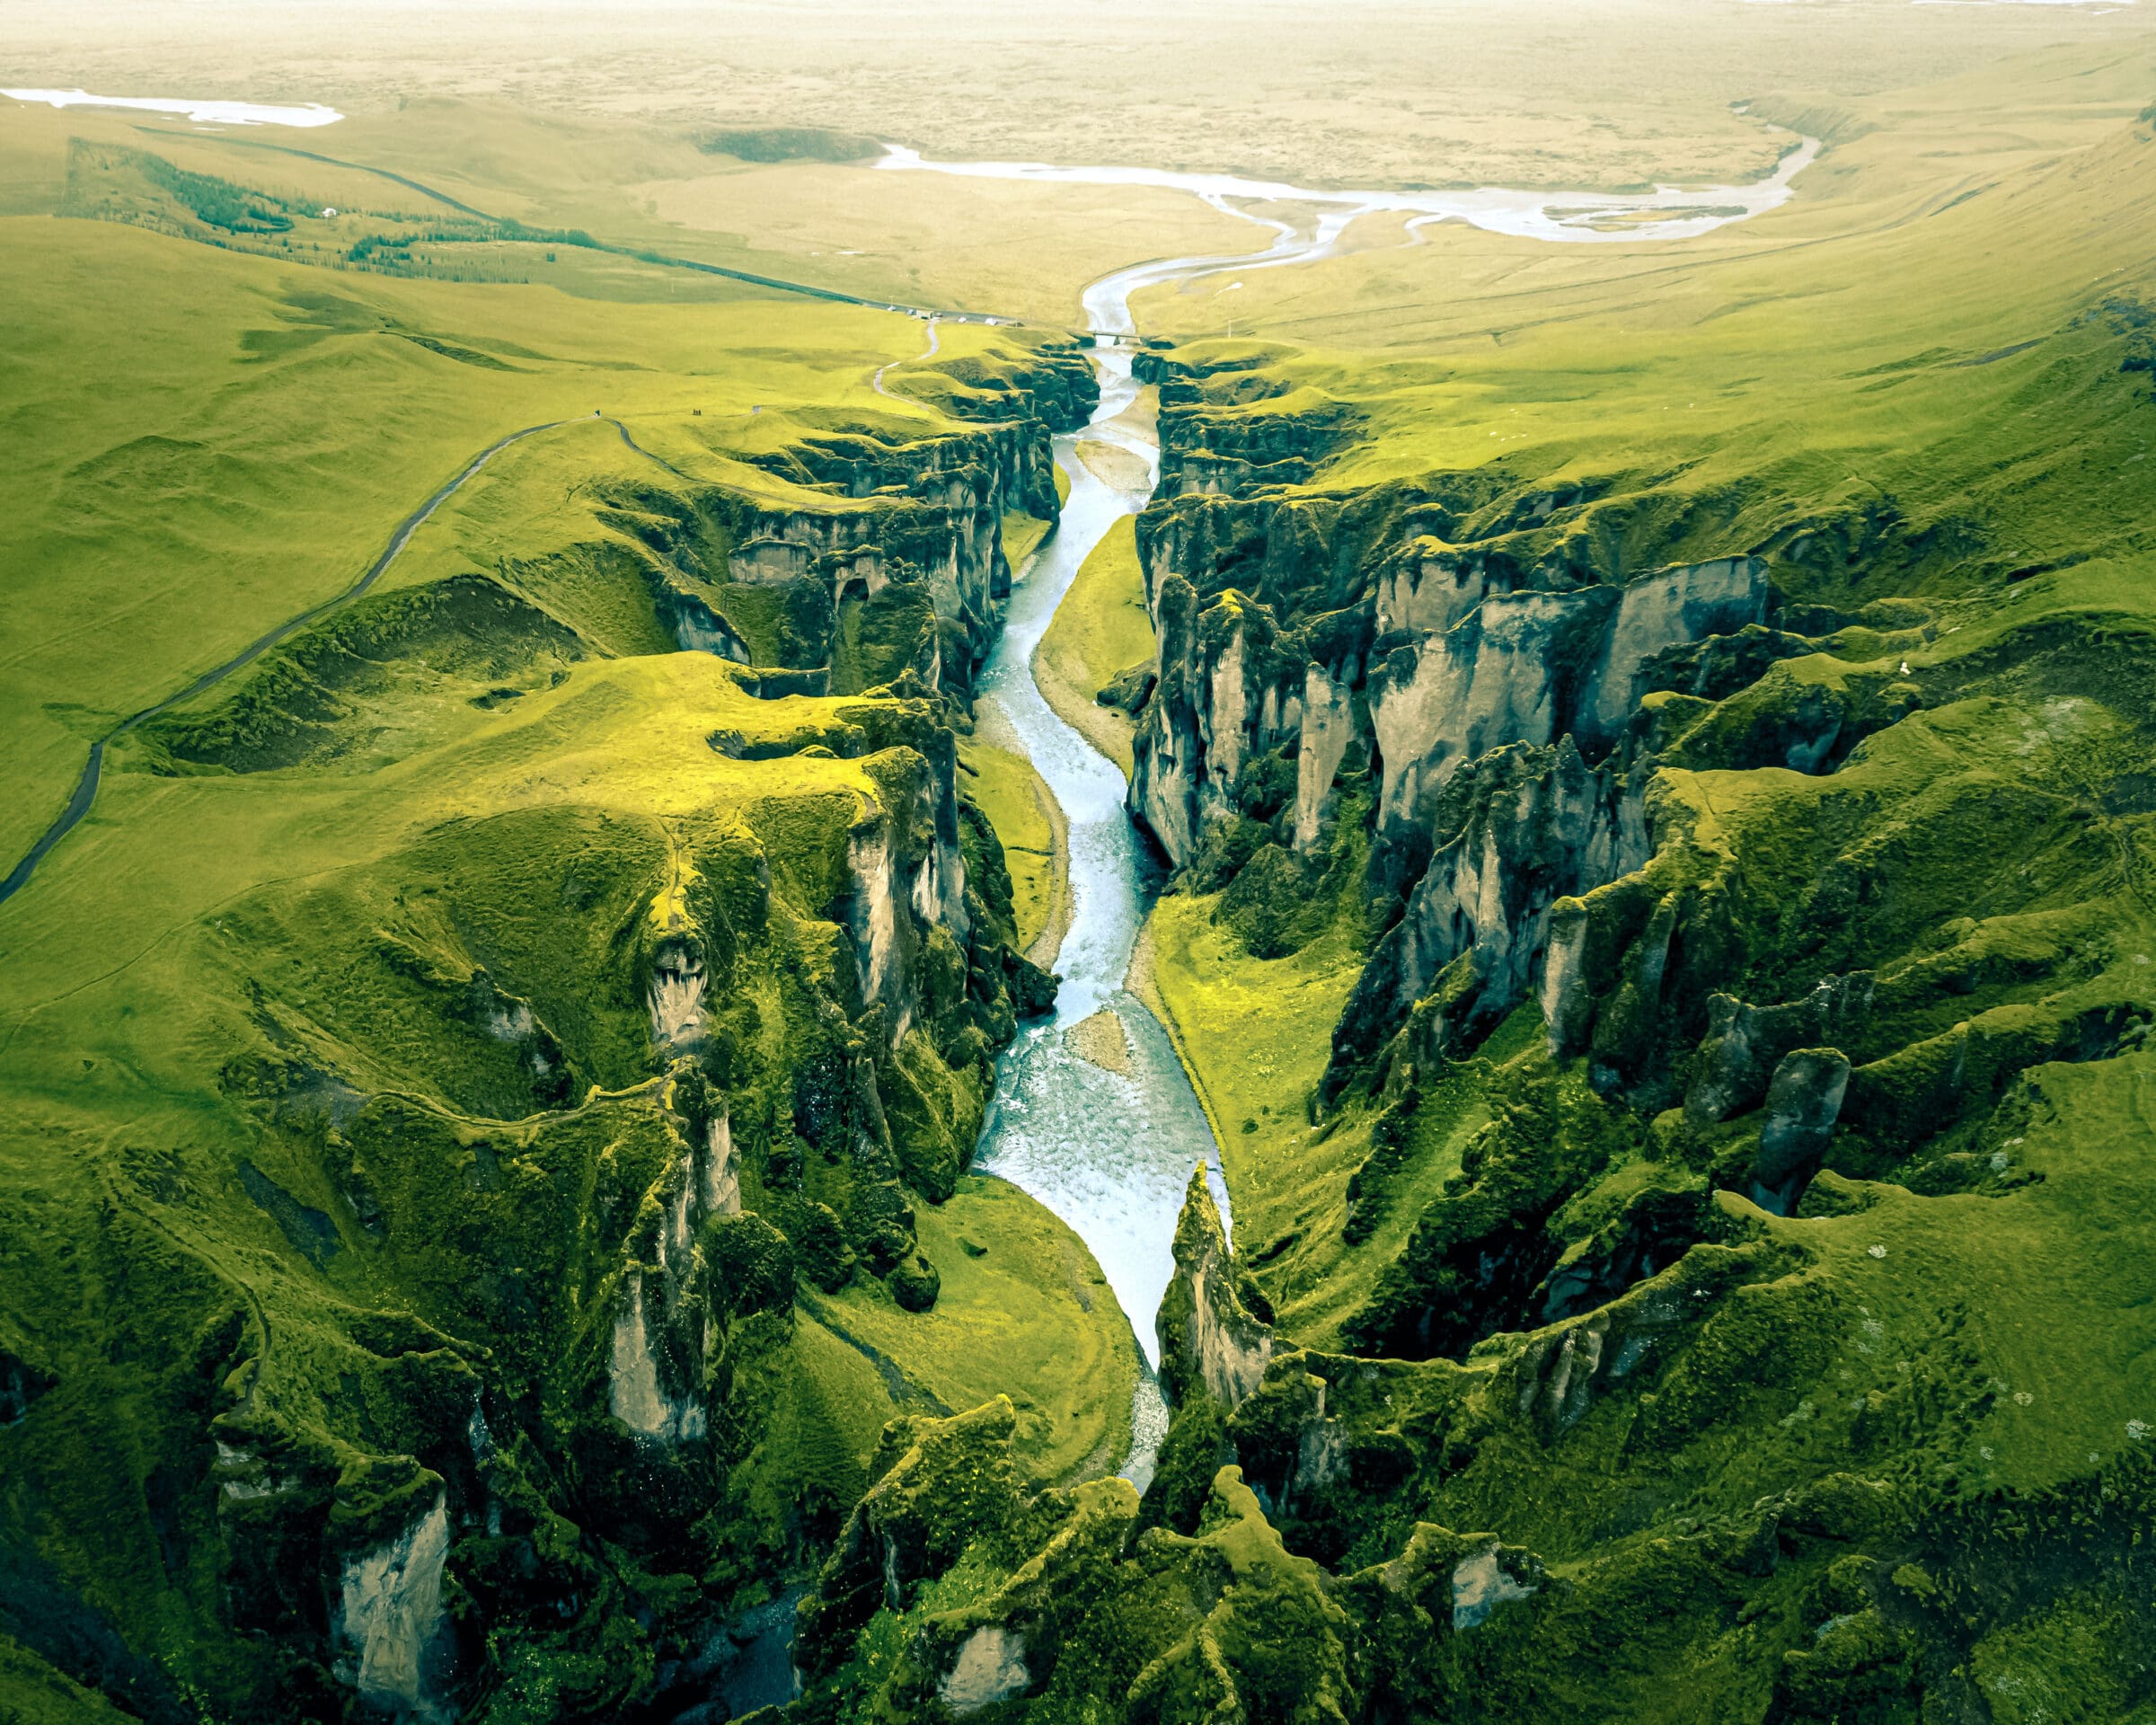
x=1209 y=1344
x=1804 y=1099
x=1744 y=1042
x=1328 y=728
x=991 y=1666
x=1231 y=687
x=1481 y=1584
x=1527 y=827
x=1434 y=658
x=390 y=1617
x=930 y=517
x=1531 y=666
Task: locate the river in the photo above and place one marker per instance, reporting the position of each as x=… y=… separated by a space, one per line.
x=1109 y=1152
x=1112 y=1152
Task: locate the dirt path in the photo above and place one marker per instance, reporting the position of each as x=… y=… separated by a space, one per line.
x=935 y=340
x=86 y=788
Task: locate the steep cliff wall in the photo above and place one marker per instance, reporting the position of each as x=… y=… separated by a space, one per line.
x=1479 y=726
x=907 y=581
x=1210 y=1345
x=1399 y=663
x=650 y=989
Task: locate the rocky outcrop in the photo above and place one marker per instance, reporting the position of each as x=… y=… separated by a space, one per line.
x=1330 y=724
x=677 y=993
x=1209 y=715
x=634 y=1395
x=721 y=1171
x=1480 y=667
x=390 y=1617
x=906 y=903
x=1210 y=1344
x=1530 y=668
x=1743 y=1044
x=1804 y=1099
x=1520 y=827
x=1484 y=1580
x=991 y=1666
x=1037 y=374
x=905 y=575
x=1228 y=427
x=1227 y=1623
x=1210 y=450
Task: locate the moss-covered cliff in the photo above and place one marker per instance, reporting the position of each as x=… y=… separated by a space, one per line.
x=449 y=1291
x=1663 y=931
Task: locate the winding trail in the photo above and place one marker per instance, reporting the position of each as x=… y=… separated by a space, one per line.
x=85 y=787
x=585 y=242
x=935 y=342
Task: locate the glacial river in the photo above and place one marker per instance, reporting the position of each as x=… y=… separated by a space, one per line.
x=1109 y=1152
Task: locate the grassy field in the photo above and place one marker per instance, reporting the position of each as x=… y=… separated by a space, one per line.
x=1099 y=630
x=490 y=780
x=1019 y=801
x=618 y=211
x=1254 y=1036
x=240 y=442
x=1024 y=1313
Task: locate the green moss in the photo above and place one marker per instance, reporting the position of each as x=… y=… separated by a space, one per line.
x=1099 y=630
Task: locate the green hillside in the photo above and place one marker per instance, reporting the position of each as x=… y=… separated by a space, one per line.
x=528 y=884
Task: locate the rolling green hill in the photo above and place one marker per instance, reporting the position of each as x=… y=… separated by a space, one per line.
x=473 y=1028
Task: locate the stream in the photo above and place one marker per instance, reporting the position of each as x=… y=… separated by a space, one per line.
x=1110 y=1152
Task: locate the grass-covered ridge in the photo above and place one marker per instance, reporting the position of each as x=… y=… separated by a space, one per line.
x=1092 y=662
x=1654 y=744
x=501 y=1052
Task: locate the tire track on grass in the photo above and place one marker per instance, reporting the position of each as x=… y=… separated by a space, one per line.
x=85 y=787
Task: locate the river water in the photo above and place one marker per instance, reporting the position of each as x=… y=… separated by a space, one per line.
x=1109 y=1152
x=208 y=112
x=1112 y=1152
x=1665 y=213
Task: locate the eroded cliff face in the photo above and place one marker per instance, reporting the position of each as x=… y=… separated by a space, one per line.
x=1481 y=723
x=1533 y=667
x=545 y=1111
x=607 y=1284
x=1074 y=1601
x=389 y=1613
x=903 y=578
x=1517 y=830
x=1210 y=1345
x=1227 y=426
x=1477 y=704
